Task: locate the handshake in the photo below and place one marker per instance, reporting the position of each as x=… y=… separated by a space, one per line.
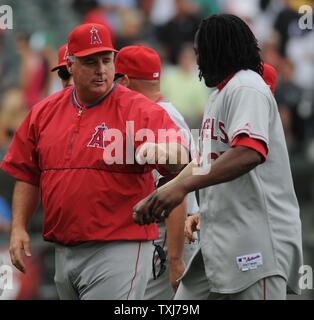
x=159 y=204
x=145 y=213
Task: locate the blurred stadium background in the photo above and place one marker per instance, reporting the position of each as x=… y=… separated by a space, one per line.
x=40 y=26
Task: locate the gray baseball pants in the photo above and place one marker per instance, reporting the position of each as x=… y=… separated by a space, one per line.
x=115 y=270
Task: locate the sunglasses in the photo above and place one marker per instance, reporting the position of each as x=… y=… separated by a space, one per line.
x=159 y=268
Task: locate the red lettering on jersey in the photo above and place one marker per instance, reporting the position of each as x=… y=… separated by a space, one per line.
x=97 y=140
x=212 y=156
x=212 y=130
x=224 y=137
x=214 y=134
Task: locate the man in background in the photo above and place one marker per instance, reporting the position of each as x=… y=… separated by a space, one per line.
x=61 y=67
x=139 y=69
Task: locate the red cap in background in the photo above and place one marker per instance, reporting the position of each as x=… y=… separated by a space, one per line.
x=138 y=62
x=62 y=57
x=270 y=76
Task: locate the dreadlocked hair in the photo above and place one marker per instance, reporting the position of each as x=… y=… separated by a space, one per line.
x=226 y=45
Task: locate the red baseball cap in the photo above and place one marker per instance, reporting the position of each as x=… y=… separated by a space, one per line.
x=270 y=76
x=138 y=62
x=62 y=57
x=89 y=38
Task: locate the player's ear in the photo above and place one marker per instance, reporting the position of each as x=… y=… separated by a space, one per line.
x=124 y=81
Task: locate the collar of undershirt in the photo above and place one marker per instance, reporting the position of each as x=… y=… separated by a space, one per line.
x=76 y=104
x=224 y=82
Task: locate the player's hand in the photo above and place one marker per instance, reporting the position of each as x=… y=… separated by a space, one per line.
x=159 y=204
x=19 y=246
x=192 y=224
x=176 y=269
x=141 y=215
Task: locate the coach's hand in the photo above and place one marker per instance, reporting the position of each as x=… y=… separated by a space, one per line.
x=159 y=204
x=19 y=246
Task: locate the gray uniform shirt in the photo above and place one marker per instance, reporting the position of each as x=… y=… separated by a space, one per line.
x=250 y=227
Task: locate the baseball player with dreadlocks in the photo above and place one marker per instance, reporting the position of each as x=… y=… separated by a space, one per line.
x=250 y=243
x=192 y=222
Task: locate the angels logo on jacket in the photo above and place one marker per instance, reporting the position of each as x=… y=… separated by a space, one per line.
x=94 y=39
x=97 y=140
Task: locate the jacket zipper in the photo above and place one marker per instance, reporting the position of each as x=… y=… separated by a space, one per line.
x=75 y=132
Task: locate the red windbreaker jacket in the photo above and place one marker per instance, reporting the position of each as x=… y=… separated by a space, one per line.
x=60 y=147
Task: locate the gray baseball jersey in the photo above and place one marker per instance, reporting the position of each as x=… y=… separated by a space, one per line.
x=250 y=227
x=160 y=288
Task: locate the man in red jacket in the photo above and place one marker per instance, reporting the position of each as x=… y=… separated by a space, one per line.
x=77 y=148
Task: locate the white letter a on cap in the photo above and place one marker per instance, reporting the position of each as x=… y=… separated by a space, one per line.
x=94 y=39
